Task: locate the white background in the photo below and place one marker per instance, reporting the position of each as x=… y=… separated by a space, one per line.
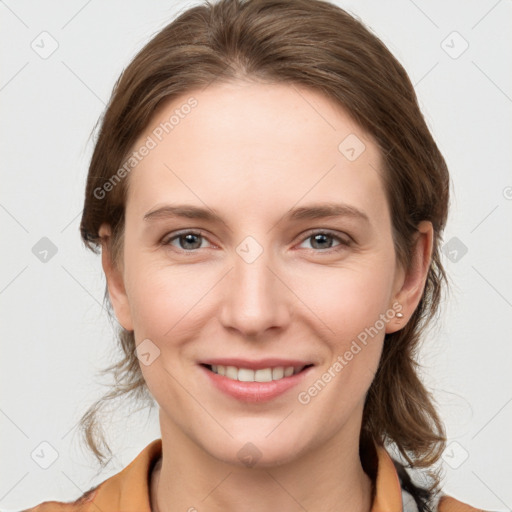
x=55 y=334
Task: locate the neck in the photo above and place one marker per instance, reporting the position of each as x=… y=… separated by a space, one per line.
x=329 y=479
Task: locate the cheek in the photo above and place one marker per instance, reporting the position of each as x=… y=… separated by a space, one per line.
x=349 y=303
x=349 y=308
x=164 y=300
x=160 y=295
x=349 y=299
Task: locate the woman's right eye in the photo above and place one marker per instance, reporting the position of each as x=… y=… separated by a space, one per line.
x=187 y=241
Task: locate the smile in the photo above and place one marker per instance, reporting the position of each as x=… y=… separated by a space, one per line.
x=265 y=381
x=260 y=375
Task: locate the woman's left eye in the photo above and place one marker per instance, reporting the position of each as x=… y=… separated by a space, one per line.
x=323 y=240
x=192 y=240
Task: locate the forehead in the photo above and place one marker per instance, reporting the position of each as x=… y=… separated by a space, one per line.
x=255 y=147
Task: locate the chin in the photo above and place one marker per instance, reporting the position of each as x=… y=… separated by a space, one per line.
x=252 y=449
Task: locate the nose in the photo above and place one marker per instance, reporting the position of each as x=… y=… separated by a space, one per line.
x=255 y=298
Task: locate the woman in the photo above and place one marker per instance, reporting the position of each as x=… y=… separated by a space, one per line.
x=269 y=204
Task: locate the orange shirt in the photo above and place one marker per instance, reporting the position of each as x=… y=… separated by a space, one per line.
x=128 y=490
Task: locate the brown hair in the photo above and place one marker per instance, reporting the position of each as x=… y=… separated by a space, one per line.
x=315 y=44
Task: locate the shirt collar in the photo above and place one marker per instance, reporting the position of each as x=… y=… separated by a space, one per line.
x=128 y=490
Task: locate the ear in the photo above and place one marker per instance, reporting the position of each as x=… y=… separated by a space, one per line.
x=115 y=280
x=410 y=283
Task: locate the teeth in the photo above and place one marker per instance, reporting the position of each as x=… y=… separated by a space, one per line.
x=262 y=375
x=277 y=373
x=245 y=375
x=231 y=372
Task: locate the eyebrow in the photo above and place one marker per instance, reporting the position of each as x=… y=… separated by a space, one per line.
x=314 y=211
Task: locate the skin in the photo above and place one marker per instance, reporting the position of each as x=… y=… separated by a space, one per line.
x=251 y=152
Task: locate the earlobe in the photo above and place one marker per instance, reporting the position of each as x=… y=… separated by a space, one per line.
x=412 y=281
x=115 y=280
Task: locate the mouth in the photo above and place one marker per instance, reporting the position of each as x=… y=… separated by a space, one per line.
x=269 y=374
x=255 y=381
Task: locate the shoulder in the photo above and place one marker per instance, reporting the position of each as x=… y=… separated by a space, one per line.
x=420 y=499
x=126 y=490
x=82 y=504
x=449 y=504
x=444 y=503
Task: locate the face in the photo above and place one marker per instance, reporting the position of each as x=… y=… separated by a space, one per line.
x=252 y=271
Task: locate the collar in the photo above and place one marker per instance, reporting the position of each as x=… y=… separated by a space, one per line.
x=129 y=490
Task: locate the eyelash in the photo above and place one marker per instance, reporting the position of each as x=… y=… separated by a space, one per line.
x=166 y=241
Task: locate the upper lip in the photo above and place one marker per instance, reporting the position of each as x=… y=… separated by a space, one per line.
x=256 y=365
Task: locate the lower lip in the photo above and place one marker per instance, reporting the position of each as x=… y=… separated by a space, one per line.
x=255 y=391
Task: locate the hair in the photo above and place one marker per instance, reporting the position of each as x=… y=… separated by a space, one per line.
x=317 y=45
